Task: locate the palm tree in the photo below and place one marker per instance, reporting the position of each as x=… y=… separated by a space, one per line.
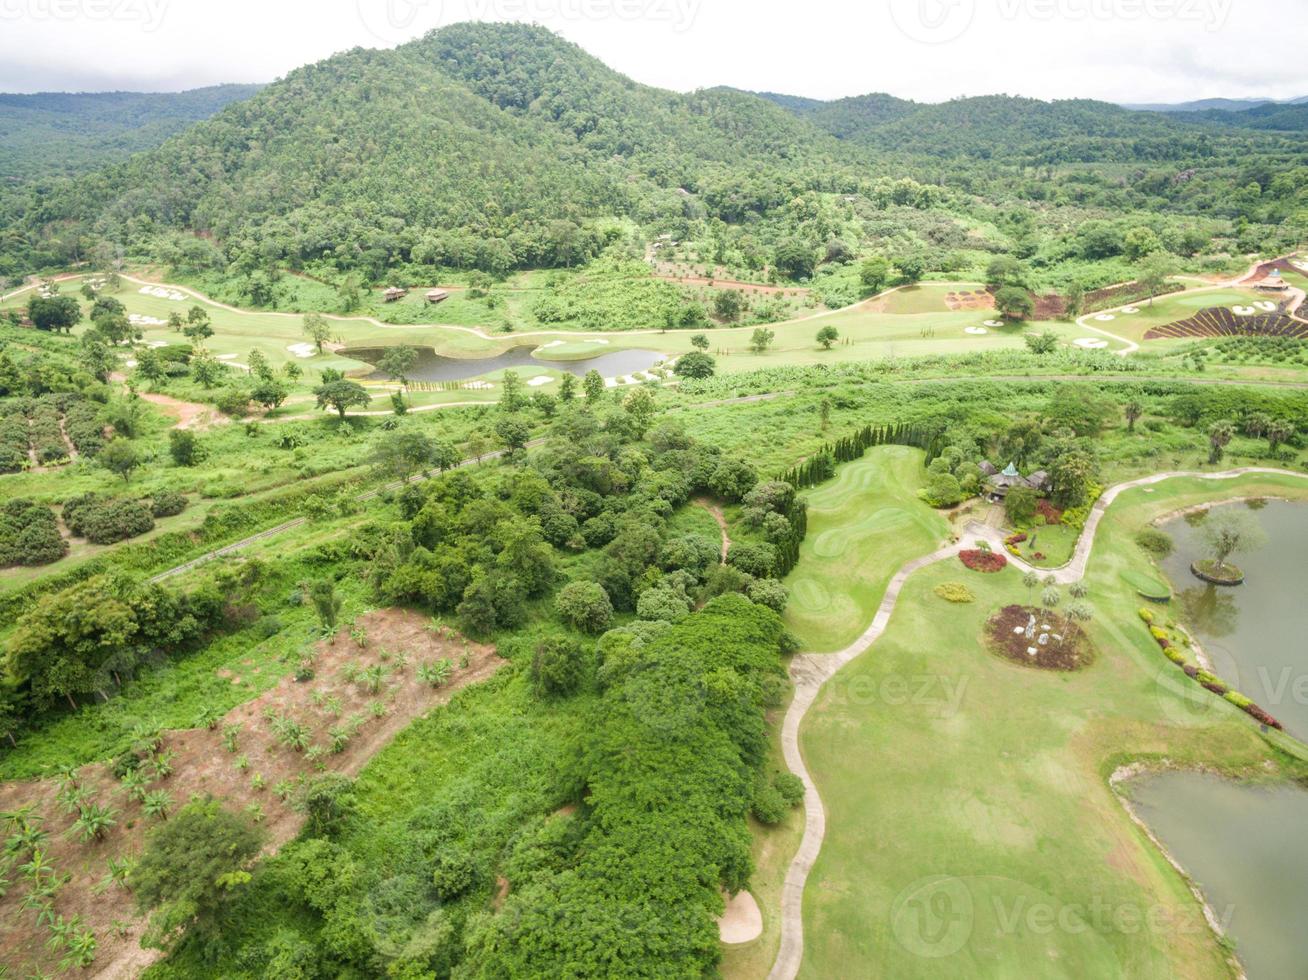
x=134 y=784
x=1220 y=435
x=1080 y=611
x=1278 y=431
x=157 y=804
x=435 y=673
x=1134 y=409
x=93 y=822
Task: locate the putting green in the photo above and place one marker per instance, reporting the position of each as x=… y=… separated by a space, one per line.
x=1147 y=585
x=862 y=525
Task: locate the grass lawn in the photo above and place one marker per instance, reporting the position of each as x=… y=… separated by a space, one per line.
x=928 y=298
x=1055 y=542
x=970 y=827
x=862 y=526
x=919 y=324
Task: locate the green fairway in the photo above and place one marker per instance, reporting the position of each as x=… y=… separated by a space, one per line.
x=970 y=827
x=861 y=527
x=1169 y=310
x=917 y=325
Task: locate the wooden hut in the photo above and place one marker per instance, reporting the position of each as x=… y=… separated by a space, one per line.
x=394 y=293
x=1274 y=283
x=437 y=295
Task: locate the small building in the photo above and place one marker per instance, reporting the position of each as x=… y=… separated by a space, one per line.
x=1274 y=283
x=394 y=293
x=998 y=482
x=437 y=295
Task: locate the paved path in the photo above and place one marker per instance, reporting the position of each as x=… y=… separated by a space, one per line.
x=810 y=671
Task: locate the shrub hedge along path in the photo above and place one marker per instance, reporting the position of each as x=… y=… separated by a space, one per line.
x=810 y=672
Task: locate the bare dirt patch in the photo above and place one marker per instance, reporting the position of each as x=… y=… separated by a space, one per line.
x=396 y=642
x=969 y=299
x=1038 y=638
x=189 y=415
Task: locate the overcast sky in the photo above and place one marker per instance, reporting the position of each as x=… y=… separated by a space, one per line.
x=1119 y=50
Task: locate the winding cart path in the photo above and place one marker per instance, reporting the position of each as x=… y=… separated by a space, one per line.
x=809 y=671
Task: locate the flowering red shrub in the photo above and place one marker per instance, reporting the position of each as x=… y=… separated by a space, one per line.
x=1017 y=538
x=1039 y=556
x=1262 y=716
x=1049 y=512
x=982 y=561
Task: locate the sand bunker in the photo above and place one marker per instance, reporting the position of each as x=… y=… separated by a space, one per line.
x=552 y=343
x=1105 y=317
x=302 y=350
x=1129 y=309
x=1243 y=310
x=162 y=292
x=540 y=379
x=994 y=323
x=975 y=331
x=742 y=922
x=1090 y=343
x=1266 y=305
x=140 y=320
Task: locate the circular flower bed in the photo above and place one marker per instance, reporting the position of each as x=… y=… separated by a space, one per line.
x=1037 y=637
x=1210 y=571
x=982 y=561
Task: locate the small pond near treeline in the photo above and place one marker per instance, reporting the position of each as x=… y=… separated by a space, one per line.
x=431 y=366
x=1256 y=634
x=1244 y=845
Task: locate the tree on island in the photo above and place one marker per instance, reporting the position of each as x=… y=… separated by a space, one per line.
x=1228 y=531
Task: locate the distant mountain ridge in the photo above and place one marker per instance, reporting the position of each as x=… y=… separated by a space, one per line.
x=64 y=133
x=1204 y=105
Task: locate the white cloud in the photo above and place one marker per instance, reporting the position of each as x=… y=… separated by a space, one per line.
x=1125 y=50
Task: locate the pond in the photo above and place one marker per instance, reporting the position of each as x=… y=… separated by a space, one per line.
x=1254 y=633
x=435 y=367
x=1244 y=846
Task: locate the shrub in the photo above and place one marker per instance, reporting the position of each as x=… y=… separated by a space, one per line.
x=116 y=520
x=29 y=534
x=1157 y=543
x=167 y=503
x=954 y=592
x=768 y=805
x=585 y=606
x=557 y=667
x=758 y=560
x=768 y=592
x=982 y=561
x=791 y=788
x=1146 y=614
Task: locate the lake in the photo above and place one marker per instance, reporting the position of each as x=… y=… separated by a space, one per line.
x=435 y=367
x=1257 y=633
x=1244 y=846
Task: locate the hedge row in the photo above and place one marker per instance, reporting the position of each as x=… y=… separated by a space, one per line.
x=29 y=534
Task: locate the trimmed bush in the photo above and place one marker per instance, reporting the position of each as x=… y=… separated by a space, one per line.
x=29 y=534
x=982 y=561
x=954 y=592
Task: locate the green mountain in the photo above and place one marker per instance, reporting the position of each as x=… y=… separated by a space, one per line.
x=488 y=146
x=59 y=133
x=502 y=146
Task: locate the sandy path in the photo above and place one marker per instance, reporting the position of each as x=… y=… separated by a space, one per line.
x=810 y=671
x=716 y=512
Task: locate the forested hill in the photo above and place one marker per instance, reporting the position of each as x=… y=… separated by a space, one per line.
x=1000 y=126
x=495 y=146
x=54 y=133
x=502 y=146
